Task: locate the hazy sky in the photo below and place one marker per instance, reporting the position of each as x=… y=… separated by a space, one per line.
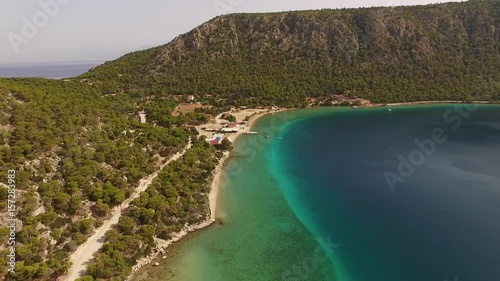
x=97 y=30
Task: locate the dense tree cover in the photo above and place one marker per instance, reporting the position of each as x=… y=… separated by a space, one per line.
x=159 y=111
x=178 y=196
x=435 y=52
x=77 y=153
x=225 y=144
x=229 y=117
x=79 y=148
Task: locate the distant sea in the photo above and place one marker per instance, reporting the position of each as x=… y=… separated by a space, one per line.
x=46 y=70
x=311 y=201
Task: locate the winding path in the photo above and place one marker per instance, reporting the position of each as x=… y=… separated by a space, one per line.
x=85 y=252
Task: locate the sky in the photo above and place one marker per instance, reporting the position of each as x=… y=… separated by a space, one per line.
x=38 y=31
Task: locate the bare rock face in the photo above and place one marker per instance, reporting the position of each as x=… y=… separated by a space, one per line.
x=384 y=35
x=427 y=50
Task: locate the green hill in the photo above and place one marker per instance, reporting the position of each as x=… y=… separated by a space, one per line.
x=79 y=149
x=436 y=52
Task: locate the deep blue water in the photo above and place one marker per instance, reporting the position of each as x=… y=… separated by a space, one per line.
x=441 y=223
x=49 y=70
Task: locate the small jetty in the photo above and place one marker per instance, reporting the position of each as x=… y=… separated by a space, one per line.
x=251 y=133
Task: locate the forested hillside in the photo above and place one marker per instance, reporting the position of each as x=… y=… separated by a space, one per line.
x=436 y=52
x=176 y=198
x=77 y=153
x=78 y=147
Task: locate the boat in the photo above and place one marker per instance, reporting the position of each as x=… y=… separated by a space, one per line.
x=266 y=136
x=354 y=107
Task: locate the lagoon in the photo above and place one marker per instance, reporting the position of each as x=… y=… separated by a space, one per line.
x=313 y=202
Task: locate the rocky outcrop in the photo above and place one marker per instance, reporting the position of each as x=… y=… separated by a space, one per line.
x=429 y=49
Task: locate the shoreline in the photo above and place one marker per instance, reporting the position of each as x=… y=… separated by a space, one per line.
x=427 y=102
x=215 y=186
x=161 y=247
x=252 y=120
x=402 y=104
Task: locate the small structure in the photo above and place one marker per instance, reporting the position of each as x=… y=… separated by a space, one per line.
x=216 y=139
x=190 y=98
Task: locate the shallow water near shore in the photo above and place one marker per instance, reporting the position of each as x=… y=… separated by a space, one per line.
x=311 y=201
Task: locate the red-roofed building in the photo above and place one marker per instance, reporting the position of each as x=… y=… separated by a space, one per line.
x=214 y=142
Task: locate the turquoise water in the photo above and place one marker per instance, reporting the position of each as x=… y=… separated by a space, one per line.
x=312 y=201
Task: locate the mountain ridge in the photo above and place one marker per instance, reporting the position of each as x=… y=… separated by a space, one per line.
x=80 y=145
x=431 y=52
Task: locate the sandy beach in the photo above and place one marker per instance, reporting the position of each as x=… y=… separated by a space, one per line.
x=425 y=102
x=162 y=245
x=251 y=115
x=160 y=251
x=215 y=187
